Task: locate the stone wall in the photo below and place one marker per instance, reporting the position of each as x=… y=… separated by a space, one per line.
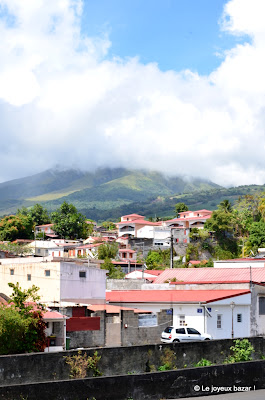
x=42 y=367
x=152 y=386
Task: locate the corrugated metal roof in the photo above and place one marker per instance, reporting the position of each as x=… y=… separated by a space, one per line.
x=110 y=309
x=211 y=275
x=171 y=296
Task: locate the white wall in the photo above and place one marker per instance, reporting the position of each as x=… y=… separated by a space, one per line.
x=89 y=289
x=204 y=323
x=239 y=264
x=49 y=285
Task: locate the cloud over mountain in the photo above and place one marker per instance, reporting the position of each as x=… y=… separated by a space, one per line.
x=64 y=101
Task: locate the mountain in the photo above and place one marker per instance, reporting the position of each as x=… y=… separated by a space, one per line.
x=104 y=190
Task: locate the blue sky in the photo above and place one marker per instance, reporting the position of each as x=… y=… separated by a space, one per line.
x=173 y=33
x=168 y=85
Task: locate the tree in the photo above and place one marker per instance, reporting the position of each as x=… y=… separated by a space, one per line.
x=14 y=227
x=225 y=206
x=110 y=226
x=107 y=250
x=39 y=215
x=68 y=223
x=256 y=237
x=16 y=249
x=22 y=328
x=114 y=272
x=181 y=207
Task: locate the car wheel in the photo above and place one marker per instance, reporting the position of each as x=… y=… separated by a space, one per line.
x=207 y=339
x=175 y=341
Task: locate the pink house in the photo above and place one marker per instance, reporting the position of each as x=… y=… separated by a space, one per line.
x=190 y=219
x=130 y=224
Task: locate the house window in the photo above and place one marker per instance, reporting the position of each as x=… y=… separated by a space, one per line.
x=47 y=272
x=46 y=251
x=38 y=251
x=12 y=271
x=28 y=277
x=82 y=274
x=182 y=320
x=219 y=321
x=262 y=306
x=239 y=317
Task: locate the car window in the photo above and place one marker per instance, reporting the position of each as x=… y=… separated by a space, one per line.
x=168 y=329
x=192 y=331
x=180 y=330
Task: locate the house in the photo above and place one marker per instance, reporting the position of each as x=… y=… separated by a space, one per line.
x=149 y=275
x=127 y=255
x=132 y=223
x=58 y=280
x=55 y=331
x=46 y=230
x=221 y=313
x=190 y=219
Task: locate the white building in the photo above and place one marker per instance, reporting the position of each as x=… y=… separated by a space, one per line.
x=58 y=281
x=221 y=313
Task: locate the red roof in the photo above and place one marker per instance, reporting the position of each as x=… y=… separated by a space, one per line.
x=171 y=296
x=133 y=215
x=139 y=221
x=153 y=271
x=114 y=309
x=53 y=315
x=189 y=218
x=212 y=275
x=39 y=226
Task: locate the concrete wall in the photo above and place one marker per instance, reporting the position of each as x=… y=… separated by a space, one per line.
x=41 y=367
x=125 y=284
x=89 y=338
x=90 y=289
x=152 y=386
x=135 y=335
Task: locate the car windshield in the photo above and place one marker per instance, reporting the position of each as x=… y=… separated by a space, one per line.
x=168 y=329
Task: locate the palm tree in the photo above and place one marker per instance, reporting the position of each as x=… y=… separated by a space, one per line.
x=225 y=206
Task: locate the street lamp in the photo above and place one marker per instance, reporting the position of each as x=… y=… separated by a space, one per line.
x=232 y=305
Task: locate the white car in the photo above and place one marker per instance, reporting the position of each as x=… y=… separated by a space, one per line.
x=182 y=334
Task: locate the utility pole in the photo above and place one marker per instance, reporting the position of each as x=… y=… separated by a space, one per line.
x=171 y=248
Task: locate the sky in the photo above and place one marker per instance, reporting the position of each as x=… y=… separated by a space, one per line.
x=170 y=85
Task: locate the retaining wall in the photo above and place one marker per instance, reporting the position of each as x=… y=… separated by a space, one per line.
x=152 y=386
x=41 y=367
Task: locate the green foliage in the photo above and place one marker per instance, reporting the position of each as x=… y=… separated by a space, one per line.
x=39 y=215
x=15 y=249
x=168 y=360
x=114 y=272
x=110 y=226
x=158 y=259
x=22 y=298
x=22 y=328
x=192 y=252
x=80 y=364
x=14 y=227
x=180 y=207
x=241 y=351
x=107 y=250
x=256 y=237
x=203 y=363
x=68 y=223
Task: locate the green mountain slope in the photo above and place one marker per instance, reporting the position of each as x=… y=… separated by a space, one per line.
x=103 y=189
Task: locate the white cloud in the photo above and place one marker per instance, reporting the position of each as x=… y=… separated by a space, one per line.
x=62 y=101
